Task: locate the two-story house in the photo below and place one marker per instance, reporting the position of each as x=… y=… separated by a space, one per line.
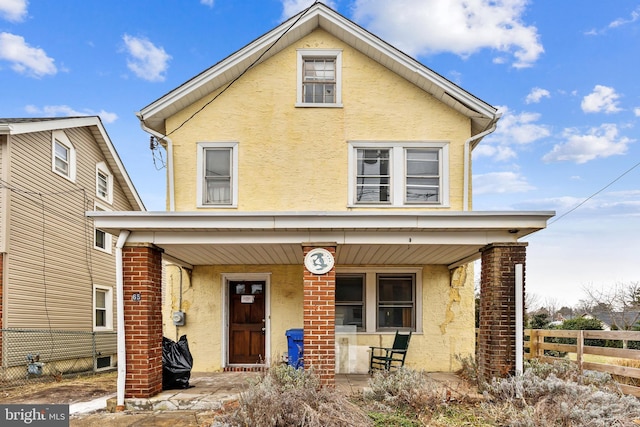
x=57 y=271
x=318 y=178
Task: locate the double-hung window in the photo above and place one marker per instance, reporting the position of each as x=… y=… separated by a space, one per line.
x=63 y=155
x=398 y=173
x=104 y=183
x=378 y=299
x=319 y=78
x=102 y=308
x=101 y=239
x=217 y=174
x=350 y=298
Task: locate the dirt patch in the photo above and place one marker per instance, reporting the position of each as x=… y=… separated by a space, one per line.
x=65 y=391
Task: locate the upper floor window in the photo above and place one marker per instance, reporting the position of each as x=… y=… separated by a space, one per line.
x=217 y=174
x=63 y=156
x=398 y=174
x=104 y=183
x=319 y=78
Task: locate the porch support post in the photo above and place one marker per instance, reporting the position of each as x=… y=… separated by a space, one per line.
x=319 y=318
x=142 y=283
x=497 y=332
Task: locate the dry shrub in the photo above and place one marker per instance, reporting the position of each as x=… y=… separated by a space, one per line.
x=556 y=395
x=285 y=396
x=628 y=363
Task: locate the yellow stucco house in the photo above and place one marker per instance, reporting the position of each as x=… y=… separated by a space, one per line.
x=317 y=142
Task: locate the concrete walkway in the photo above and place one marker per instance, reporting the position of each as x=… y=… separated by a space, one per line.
x=198 y=405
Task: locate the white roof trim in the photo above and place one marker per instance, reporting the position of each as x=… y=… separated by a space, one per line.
x=322 y=16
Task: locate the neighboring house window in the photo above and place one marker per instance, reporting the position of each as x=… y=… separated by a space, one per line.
x=319 y=78
x=394 y=296
x=104 y=183
x=63 y=156
x=350 y=300
x=217 y=174
x=102 y=308
x=399 y=173
x=102 y=240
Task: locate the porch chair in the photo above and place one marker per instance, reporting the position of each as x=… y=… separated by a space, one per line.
x=388 y=358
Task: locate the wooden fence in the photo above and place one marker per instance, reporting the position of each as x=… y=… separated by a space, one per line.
x=609 y=359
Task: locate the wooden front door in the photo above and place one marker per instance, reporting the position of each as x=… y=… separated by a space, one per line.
x=246 y=322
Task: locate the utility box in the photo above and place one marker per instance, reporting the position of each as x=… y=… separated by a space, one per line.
x=295 y=342
x=179 y=318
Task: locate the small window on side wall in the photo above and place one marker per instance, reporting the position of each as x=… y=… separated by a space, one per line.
x=63 y=156
x=102 y=308
x=104 y=183
x=101 y=239
x=319 y=78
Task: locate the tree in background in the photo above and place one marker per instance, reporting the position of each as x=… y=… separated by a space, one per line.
x=617 y=305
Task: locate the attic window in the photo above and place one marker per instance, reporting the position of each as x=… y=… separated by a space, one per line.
x=319 y=78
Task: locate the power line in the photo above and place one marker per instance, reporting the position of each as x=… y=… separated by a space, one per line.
x=594 y=194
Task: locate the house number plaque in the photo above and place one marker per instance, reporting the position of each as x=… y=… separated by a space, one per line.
x=136 y=296
x=319 y=261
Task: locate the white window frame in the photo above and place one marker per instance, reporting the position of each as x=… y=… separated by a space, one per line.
x=371 y=295
x=397 y=171
x=108 y=307
x=334 y=54
x=108 y=238
x=354 y=303
x=101 y=168
x=59 y=137
x=200 y=158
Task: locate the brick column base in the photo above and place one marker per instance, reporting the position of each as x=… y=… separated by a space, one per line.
x=319 y=321
x=496 y=335
x=142 y=270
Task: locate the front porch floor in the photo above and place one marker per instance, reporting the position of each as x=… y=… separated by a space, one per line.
x=210 y=391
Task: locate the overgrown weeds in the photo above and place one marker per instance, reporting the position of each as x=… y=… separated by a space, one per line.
x=285 y=396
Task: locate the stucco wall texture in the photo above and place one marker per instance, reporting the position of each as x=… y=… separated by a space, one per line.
x=296 y=159
x=258 y=111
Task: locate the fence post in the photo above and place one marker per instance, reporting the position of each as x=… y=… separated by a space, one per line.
x=534 y=349
x=579 y=349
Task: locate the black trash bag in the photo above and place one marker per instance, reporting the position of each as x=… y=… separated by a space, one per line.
x=176 y=363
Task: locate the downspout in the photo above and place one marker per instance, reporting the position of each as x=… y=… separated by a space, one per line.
x=160 y=137
x=122 y=350
x=467 y=159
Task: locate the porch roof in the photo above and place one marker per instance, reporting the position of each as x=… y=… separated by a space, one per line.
x=394 y=238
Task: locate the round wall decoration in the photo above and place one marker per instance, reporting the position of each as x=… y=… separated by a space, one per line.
x=319 y=261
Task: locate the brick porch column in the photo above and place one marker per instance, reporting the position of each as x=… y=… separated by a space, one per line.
x=496 y=336
x=319 y=319
x=142 y=271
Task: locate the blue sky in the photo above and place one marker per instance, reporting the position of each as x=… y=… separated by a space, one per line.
x=563 y=73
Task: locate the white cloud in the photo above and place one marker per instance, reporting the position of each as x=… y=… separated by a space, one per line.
x=518 y=128
x=13 y=10
x=635 y=15
x=24 y=58
x=497 y=152
x=500 y=183
x=207 y=2
x=602 y=99
x=66 y=111
x=636 y=111
x=536 y=95
x=145 y=59
x=291 y=7
x=600 y=142
x=422 y=27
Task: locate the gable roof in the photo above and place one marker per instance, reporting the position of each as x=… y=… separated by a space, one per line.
x=482 y=115
x=19 y=126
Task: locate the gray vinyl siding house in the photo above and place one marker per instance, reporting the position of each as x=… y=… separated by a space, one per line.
x=57 y=271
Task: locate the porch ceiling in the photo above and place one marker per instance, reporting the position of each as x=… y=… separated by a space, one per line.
x=399 y=238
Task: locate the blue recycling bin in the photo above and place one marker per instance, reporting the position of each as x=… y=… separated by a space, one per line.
x=295 y=341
